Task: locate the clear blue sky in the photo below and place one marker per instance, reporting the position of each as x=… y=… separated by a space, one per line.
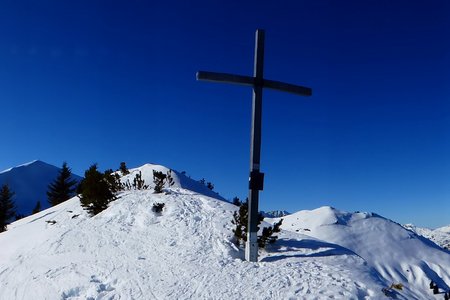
x=112 y=81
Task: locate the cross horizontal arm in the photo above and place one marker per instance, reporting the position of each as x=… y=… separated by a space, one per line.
x=251 y=81
x=287 y=87
x=225 y=77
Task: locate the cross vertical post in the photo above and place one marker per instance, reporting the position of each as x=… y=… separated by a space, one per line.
x=256 y=178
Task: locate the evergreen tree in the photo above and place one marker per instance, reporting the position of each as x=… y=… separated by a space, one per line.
x=240 y=219
x=37 y=208
x=95 y=192
x=7 y=207
x=63 y=187
x=139 y=183
x=113 y=180
x=123 y=168
x=267 y=236
x=169 y=178
x=159 y=179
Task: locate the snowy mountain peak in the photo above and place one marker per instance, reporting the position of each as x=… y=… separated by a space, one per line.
x=29 y=182
x=180 y=180
x=36 y=161
x=327 y=215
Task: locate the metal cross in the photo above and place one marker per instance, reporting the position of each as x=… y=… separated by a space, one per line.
x=256 y=178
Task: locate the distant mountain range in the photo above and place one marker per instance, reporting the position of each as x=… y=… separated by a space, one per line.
x=30 y=183
x=274 y=213
x=440 y=236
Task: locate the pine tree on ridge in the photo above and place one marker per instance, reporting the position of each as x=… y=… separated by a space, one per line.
x=63 y=188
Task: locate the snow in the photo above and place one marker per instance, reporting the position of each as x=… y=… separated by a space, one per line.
x=396 y=254
x=186 y=252
x=440 y=236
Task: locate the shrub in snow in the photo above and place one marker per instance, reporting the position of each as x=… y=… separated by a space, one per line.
x=158 y=207
x=96 y=191
x=159 y=179
x=236 y=201
x=139 y=183
x=7 y=207
x=208 y=184
x=63 y=188
x=169 y=178
x=268 y=236
x=240 y=220
x=123 y=168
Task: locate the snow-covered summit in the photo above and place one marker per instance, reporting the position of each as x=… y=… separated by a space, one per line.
x=180 y=180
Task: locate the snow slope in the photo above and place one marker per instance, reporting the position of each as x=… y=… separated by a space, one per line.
x=440 y=236
x=186 y=252
x=396 y=254
x=30 y=183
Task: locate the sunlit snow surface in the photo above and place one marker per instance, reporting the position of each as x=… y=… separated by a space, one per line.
x=186 y=252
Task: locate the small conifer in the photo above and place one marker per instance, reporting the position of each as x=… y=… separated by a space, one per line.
x=236 y=201
x=240 y=220
x=159 y=179
x=138 y=182
x=169 y=179
x=95 y=191
x=7 y=207
x=123 y=168
x=63 y=187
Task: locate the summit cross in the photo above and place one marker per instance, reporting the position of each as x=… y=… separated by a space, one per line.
x=256 y=178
